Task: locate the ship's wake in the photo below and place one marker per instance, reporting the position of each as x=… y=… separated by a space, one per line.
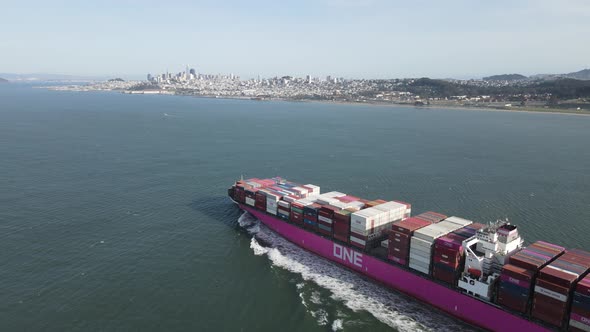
x=343 y=286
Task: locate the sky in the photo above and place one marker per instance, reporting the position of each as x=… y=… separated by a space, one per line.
x=343 y=38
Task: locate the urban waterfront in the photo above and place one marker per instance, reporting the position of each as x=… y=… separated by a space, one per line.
x=114 y=213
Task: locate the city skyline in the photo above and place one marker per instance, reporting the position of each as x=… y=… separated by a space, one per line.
x=365 y=39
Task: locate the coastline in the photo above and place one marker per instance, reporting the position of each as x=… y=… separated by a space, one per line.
x=514 y=109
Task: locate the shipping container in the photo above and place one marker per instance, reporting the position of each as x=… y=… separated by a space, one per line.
x=432 y=217
x=555 y=284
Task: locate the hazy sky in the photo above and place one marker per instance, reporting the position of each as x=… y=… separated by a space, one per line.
x=364 y=38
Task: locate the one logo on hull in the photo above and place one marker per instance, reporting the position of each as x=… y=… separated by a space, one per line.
x=585 y=320
x=348 y=255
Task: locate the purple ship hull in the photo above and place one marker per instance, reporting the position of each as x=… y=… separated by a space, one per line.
x=453 y=302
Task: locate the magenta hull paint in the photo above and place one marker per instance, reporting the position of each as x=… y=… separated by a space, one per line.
x=462 y=306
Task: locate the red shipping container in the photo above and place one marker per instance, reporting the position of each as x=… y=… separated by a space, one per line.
x=399 y=252
x=558 y=277
x=515 y=303
x=447 y=253
x=449 y=263
x=525 y=263
x=401 y=242
x=409 y=225
x=552 y=287
x=399 y=235
x=401 y=261
x=517 y=272
x=343 y=238
x=541 y=302
x=549 y=314
x=431 y=217
x=442 y=275
x=515 y=281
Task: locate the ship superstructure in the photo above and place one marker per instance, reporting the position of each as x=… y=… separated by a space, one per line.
x=485 y=255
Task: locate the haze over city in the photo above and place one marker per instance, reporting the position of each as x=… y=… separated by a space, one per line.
x=360 y=39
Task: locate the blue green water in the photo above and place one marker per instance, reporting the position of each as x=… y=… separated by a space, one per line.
x=113 y=213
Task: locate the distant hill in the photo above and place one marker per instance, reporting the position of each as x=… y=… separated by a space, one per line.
x=505 y=77
x=48 y=77
x=3 y=80
x=583 y=74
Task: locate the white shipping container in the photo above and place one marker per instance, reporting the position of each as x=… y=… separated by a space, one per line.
x=356 y=204
x=315 y=189
x=289 y=199
x=419 y=263
x=271 y=211
x=284 y=204
x=385 y=243
x=300 y=190
x=250 y=201
x=285 y=212
x=271 y=204
x=421 y=251
x=333 y=194
x=419 y=258
x=340 y=205
x=324 y=219
x=326 y=200
x=418 y=242
x=459 y=221
x=434 y=231
x=365 y=219
x=305 y=201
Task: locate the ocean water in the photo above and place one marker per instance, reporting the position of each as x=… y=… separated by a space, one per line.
x=114 y=216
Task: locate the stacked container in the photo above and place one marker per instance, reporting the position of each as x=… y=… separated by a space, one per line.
x=342 y=225
x=399 y=239
x=261 y=200
x=393 y=211
x=408 y=208
x=376 y=202
x=580 y=310
x=297 y=213
x=284 y=210
x=240 y=192
x=272 y=202
x=251 y=196
x=448 y=259
x=423 y=240
x=313 y=190
x=326 y=219
x=367 y=226
x=310 y=216
x=517 y=278
x=554 y=285
x=432 y=217
x=362 y=224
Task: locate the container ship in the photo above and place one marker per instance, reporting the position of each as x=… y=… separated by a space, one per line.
x=479 y=273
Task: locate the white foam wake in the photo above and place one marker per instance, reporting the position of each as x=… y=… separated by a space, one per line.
x=349 y=288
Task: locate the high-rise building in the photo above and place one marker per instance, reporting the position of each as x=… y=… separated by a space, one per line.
x=149 y=77
x=308 y=79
